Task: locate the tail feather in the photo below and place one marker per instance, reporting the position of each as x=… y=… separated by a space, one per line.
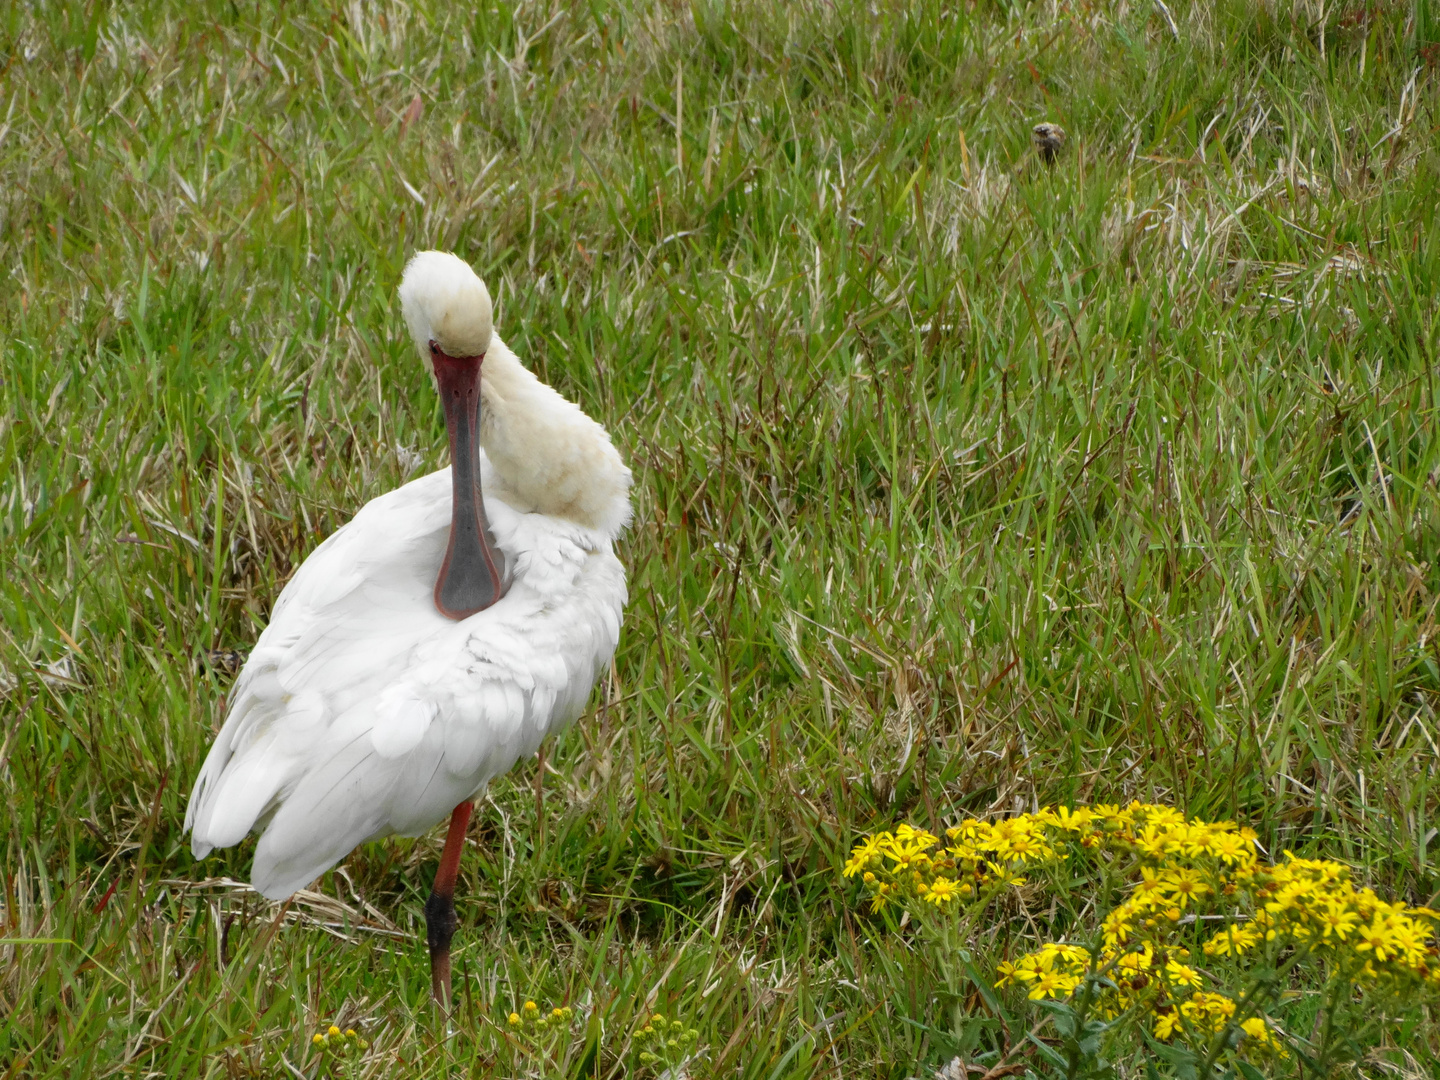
x=342 y=802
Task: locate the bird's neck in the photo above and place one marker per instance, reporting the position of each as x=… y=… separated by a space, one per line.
x=547 y=455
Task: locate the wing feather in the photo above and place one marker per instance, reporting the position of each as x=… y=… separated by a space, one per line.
x=363 y=712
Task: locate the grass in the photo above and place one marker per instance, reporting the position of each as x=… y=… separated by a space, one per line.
x=964 y=484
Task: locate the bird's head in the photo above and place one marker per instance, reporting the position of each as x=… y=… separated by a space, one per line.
x=446 y=306
x=448 y=312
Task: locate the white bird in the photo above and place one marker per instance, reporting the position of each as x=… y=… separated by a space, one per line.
x=437 y=637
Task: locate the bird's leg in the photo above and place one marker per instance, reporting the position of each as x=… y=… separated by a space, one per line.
x=440 y=919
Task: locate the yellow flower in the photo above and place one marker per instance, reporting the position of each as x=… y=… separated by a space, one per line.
x=1337 y=919
x=514 y=1018
x=318 y=1039
x=1149 y=883
x=1208 y=1012
x=1166 y=1023
x=1132 y=963
x=1024 y=846
x=1072 y=955
x=1182 y=974
x=531 y=1007
x=906 y=855
x=862 y=854
x=942 y=890
x=1077 y=820
x=1184 y=885
x=1257 y=1030
x=918 y=838
x=1200 y=838
x=1052 y=984
x=971 y=833
x=1377 y=938
x=1153 y=841
x=1231 y=847
x=1159 y=815
x=1232 y=941
x=1119 y=923
x=350 y=1033
x=333 y=1031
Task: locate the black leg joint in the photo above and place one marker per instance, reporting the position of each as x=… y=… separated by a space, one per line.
x=440 y=923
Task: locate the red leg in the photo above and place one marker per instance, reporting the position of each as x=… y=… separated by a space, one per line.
x=440 y=918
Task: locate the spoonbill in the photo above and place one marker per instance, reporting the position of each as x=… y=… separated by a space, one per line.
x=436 y=638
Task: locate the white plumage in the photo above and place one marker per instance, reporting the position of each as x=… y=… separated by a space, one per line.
x=363 y=711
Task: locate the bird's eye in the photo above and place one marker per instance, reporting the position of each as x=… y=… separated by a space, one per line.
x=434 y=349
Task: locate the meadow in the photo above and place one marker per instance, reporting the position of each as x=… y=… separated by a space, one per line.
x=966 y=483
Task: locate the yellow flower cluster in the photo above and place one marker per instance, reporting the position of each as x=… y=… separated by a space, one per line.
x=1305 y=904
x=531 y=1017
x=1312 y=904
x=666 y=1042
x=980 y=858
x=1057 y=970
x=1179 y=877
x=332 y=1038
x=1208 y=1014
x=1052 y=971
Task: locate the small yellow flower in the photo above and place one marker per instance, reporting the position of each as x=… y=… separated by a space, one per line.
x=1152 y=841
x=1181 y=974
x=1132 y=963
x=862 y=854
x=350 y=1033
x=941 y=891
x=319 y=1039
x=1073 y=820
x=1255 y=1028
x=531 y=1007
x=1377 y=939
x=514 y=1018
x=1184 y=885
x=1337 y=919
x=1149 y=883
x=333 y=1031
x=1231 y=847
x=1053 y=984
x=1009 y=974
x=1232 y=941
